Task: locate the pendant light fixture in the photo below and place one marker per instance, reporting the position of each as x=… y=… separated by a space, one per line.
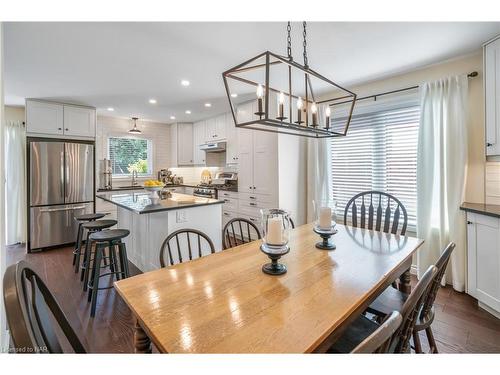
x=284 y=99
x=134 y=130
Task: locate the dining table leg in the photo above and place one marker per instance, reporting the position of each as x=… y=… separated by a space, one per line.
x=405 y=282
x=142 y=342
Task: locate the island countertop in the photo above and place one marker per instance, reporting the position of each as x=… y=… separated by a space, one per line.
x=140 y=202
x=481 y=208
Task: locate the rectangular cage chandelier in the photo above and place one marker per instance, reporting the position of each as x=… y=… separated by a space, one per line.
x=273 y=93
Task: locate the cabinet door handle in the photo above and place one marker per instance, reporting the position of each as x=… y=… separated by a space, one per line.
x=227 y=200
x=469 y=222
x=254 y=188
x=66 y=129
x=226 y=214
x=59 y=128
x=489 y=144
x=253 y=204
x=252 y=197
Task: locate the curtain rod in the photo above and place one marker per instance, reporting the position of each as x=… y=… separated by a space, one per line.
x=470 y=75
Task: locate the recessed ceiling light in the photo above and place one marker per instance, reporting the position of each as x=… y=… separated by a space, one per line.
x=185 y=82
x=208 y=105
x=234 y=95
x=152 y=101
x=111 y=109
x=172 y=117
x=188 y=112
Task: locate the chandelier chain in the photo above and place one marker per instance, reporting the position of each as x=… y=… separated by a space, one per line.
x=304 y=34
x=289 y=41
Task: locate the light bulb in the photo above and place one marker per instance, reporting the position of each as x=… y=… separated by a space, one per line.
x=260 y=91
x=300 y=103
x=282 y=98
x=314 y=109
x=327 y=111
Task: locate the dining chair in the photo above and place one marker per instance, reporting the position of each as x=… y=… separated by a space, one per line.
x=363 y=327
x=392 y=299
x=368 y=209
x=238 y=231
x=178 y=237
x=31 y=310
x=380 y=340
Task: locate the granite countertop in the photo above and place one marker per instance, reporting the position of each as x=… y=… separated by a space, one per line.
x=139 y=187
x=140 y=202
x=481 y=208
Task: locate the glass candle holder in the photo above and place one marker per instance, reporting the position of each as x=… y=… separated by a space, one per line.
x=324 y=222
x=276 y=233
x=325 y=214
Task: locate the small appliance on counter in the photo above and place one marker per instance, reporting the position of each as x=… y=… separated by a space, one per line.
x=105 y=175
x=165 y=176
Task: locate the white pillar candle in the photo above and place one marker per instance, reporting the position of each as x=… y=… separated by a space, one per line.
x=274 y=231
x=325 y=217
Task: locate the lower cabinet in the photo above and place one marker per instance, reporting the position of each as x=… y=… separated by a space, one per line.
x=483 y=260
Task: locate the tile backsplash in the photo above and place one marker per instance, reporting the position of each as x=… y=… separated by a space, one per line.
x=192 y=175
x=492 y=182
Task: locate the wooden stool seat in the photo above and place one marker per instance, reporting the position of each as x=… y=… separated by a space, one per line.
x=90 y=217
x=99 y=224
x=390 y=300
x=109 y=235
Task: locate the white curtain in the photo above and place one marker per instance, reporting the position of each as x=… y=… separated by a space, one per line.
x=319 y=172
x=441 y=172
x=15 y=185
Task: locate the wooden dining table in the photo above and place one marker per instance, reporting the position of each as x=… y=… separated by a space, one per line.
x=224 y=303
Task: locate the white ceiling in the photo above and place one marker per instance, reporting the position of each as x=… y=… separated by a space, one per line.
x=123 y=65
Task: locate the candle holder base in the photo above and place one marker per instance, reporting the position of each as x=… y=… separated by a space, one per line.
x=327 y=243
x=298 y=122
x=259 y=113
x=281 y=118
x=274 y=268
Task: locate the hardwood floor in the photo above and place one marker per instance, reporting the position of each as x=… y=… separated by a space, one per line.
x=460 y=325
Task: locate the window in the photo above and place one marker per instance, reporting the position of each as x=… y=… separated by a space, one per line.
x=378 y=153
x=130 y=154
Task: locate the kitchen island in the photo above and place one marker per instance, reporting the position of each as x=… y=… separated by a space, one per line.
x=149 y=224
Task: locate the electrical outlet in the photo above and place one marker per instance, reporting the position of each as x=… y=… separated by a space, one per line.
x=181 y=216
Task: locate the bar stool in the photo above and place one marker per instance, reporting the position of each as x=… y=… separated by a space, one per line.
x=82 y=219
x=118 y=264
x=91 y=227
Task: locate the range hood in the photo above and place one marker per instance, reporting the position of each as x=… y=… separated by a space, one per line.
x=214 y=147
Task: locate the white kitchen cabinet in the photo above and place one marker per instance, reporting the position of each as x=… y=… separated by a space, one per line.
x=79 y=121
x=492 y=96
x=220 y=127
x=211 y=130
x=483 y=260
x=44 y=117
x=198 y=139
x=185 y=144
x=232 y=140
x=64 y=120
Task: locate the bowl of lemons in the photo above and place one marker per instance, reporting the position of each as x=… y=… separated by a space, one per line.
x=153 y=185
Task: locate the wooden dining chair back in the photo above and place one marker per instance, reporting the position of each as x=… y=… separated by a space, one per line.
x=410 y=311
x=436 y=283
x=238 y=231
x=380 y=340
x=376 y=210
x=183 y=245
x=32 y=312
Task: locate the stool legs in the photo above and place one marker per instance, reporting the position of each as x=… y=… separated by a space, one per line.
x=84 y=276
x=76 y=252
x=123 y=260
x=96 y=270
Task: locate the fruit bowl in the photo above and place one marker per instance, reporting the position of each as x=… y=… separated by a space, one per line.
x=153 y=188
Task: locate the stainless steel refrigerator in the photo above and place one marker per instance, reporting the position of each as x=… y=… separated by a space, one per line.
x=61 y=185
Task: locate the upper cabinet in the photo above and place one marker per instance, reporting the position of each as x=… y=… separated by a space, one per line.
x=79 y=121
x=492 y=96
x=56 y=119
x=198 y=139
x=185 y=144
x=44 y=118
x=215 y=128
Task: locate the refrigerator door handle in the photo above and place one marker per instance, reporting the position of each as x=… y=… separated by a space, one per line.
x=62 y=209
x=62 y=175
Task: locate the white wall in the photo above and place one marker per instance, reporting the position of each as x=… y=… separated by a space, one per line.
x=159 y=133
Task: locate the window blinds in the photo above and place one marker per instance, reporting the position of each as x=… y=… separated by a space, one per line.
x=378 y=153
x=127 y=154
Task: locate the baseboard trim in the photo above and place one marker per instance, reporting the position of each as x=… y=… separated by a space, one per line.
x=493 y=312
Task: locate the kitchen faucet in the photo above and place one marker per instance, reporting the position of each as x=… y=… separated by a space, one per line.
x=134 y=178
